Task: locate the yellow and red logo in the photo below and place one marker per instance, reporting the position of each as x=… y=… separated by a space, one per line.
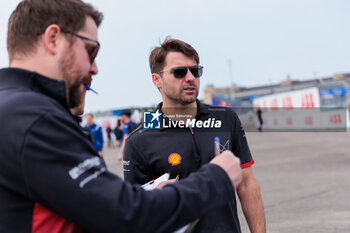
x=174 y=159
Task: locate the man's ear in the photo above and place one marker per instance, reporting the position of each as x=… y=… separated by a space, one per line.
x=156 y=79
x=51 y=37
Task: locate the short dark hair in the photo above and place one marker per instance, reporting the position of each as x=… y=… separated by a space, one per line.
x=126 y=112
x=31 y=18
x=158 y=54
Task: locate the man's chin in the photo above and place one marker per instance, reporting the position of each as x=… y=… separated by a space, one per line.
x=75 y=96
x=79 y=111
x=188 y=100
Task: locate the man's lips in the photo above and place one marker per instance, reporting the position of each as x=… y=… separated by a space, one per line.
x=190 y=89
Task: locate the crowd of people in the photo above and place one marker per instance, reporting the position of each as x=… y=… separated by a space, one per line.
x=115 y=136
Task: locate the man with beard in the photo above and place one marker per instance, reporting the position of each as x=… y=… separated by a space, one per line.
x=51 y=178
x=190 y=135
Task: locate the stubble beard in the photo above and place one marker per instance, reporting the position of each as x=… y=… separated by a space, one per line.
x=185 y=100
x=178 y=96
x=181 y=99
x=72 y=83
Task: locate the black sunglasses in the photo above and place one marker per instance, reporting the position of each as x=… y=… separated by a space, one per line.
x=92 y=52
x=181 y=71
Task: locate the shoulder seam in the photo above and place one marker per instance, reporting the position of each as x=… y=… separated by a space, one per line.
x=132 y=144
x=22 y=147
x=137 y=129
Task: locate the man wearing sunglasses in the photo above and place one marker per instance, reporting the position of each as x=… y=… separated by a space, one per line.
x=180 y=147
x=51 y=178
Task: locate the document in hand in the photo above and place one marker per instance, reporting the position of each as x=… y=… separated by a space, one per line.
x=153 y=184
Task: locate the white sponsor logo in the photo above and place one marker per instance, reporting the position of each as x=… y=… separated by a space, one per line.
x=75 y=172
x=224 y=147
x=126 y=162
x=91 y=177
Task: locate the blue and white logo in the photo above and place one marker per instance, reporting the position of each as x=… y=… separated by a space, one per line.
x=151 y=120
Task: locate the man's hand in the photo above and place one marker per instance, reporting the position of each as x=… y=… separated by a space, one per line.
x=163 y=183
x=232 y=166
x=120 y=158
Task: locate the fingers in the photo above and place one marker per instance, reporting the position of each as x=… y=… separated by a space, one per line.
x=163 y=183
x=231 y=165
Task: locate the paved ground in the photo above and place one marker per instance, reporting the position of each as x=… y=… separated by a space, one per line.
x=304 y=178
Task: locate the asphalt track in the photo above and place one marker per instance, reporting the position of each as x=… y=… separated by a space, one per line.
x=304 y=179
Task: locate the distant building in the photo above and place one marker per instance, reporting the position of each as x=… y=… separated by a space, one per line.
x=334 y=91
x=318 y=104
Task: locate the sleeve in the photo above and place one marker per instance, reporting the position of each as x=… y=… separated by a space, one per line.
x=126 y=129
x=100 y=138
x=64 y=174
x=134 y=164
x=118 y=133
x=240 y=146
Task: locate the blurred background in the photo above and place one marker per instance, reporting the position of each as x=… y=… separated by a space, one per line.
x=248 y=48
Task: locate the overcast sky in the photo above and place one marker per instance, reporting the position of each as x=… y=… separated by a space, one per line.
x=264 y=39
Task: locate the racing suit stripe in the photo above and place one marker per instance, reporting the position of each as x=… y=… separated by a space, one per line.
x=248 y=164
x=46 y=221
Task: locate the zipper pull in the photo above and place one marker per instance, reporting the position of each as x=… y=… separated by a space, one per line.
x=191 y=131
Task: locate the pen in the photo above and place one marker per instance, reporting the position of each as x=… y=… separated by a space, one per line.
x=87 y=87
x=217 y=145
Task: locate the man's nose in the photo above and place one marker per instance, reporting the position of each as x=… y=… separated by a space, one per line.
x=93 y=68
x=189 y=76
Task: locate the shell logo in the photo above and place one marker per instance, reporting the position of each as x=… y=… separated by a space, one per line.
x=174 y=159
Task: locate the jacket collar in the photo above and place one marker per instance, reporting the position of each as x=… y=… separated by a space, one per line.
x=201 y=108
x=20 y=78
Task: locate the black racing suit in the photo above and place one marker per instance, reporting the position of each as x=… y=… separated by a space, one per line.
x=149 y=153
